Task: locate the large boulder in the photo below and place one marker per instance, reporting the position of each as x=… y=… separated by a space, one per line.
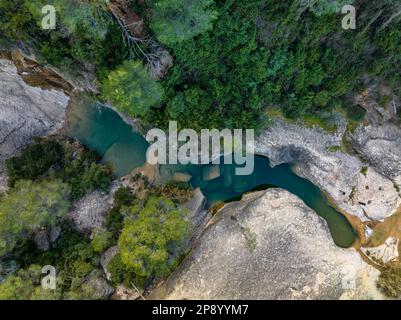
x=211 y=172
x=25 y=112
x=345 y=178
x=98 y=286
x=270 y=245
x=105 y=259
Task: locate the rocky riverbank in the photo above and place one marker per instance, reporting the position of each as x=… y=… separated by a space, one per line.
x=366 y=190
x=270 y=245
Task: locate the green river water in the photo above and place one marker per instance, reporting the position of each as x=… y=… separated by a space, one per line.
x=103 y=130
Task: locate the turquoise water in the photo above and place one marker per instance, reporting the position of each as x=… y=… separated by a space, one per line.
x=103 y=130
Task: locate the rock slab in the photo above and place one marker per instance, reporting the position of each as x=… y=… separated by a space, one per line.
x=270 y=245
x=25 y=112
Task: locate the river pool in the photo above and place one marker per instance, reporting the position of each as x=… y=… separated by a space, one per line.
x=102 y=129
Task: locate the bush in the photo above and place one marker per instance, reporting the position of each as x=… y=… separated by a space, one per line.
x=355 y=113
x=85 y=38
x=154 y=237
x=85 y=177
x=50 y=158
x=73 y=257
x=123 y=274
x=25 y=285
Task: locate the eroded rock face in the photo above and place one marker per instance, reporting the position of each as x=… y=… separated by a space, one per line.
x=363 y=192
x=270 y=245
x=25 y=112
x=381 y=146
x=385 y=253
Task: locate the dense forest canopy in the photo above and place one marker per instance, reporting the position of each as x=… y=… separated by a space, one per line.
x=233 y=60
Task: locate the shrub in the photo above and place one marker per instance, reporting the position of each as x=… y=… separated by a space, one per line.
x=123 y=197
x=123 y=274
x=355 y=112
x=154 y=237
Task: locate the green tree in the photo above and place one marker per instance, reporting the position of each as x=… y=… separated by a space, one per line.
x=34 y=161
x=131 y=89
x=154 y=237
x=178 y=20
x=28 y=207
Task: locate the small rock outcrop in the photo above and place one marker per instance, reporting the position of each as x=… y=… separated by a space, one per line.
x=123 y=293
x=45 y=238
x=41 y=240
x=25 y=112
x=270 y=245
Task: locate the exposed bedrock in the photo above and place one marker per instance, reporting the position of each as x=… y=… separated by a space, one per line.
x=270 y=245
x=380 y=145
x=25 y=112
x=90 y=212
x=361 y=189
